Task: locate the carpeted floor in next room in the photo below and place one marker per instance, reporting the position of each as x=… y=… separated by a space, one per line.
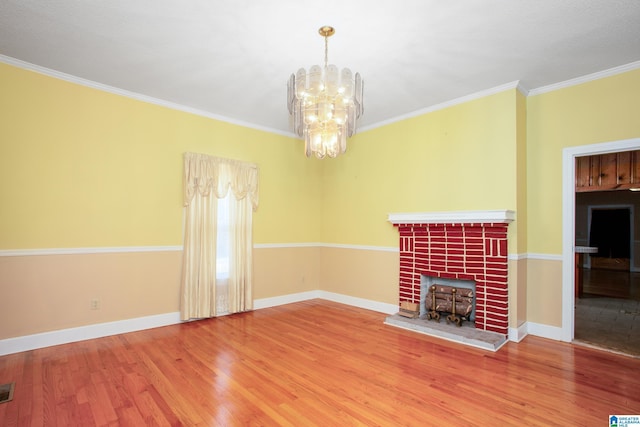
x=608 y=313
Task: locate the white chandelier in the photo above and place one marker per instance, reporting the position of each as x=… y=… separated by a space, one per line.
x=324 y=105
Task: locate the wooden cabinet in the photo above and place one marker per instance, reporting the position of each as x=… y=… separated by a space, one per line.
x=608 y=170
x=583 y=172
x=624 y=170
x=635 y=166
x=605 y=172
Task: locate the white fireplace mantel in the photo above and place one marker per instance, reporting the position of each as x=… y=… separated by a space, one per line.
x=459 y=217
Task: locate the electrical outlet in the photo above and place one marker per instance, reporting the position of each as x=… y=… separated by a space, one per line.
x=95 y=304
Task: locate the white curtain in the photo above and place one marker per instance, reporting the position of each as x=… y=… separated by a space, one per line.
x=206 y=180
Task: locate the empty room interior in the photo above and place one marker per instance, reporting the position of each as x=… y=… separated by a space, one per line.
x=199 y=226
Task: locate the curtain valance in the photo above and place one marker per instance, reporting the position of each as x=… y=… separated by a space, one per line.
x=204 y=174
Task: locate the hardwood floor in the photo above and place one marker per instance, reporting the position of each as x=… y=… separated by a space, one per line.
x=313 y=363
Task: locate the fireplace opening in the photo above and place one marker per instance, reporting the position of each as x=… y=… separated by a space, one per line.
x=427 y=281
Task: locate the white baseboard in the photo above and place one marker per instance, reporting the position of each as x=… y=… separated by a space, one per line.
x=518 y=334
x=64 y=336
x=359 y=302
x=329 y=296
x=536 y=329
x=545 y=331
x=284 y=299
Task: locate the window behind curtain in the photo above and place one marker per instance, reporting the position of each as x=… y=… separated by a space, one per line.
x=220 y=196
x=223 y=252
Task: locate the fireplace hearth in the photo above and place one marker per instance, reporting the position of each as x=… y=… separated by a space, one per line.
x=467 y=334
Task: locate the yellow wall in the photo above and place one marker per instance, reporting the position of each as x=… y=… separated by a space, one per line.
x=518 y=230
x=459 y=158
x=521 y=174
x=469 y=156
x=84 y=168
x=599 y=111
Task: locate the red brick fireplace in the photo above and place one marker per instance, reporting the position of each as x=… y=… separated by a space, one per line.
x=461 y=246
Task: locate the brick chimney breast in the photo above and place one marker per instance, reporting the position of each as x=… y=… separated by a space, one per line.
x=469 y=245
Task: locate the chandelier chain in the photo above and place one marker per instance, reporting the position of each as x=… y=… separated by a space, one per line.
x=326 y=51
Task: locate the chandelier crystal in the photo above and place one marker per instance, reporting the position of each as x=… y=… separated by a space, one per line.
x=325 y=105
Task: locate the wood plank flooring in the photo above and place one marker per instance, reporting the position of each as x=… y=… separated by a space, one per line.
x=313 y=363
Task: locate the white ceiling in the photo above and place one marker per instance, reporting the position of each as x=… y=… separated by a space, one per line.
x=232 y=58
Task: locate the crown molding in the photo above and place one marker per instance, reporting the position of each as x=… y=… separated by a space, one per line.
x=463 y=99
x=134 y=95
x=587 y=78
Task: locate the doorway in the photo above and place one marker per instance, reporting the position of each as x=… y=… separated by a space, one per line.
x=606 y=306
x=606 y=309
x=568 y=222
